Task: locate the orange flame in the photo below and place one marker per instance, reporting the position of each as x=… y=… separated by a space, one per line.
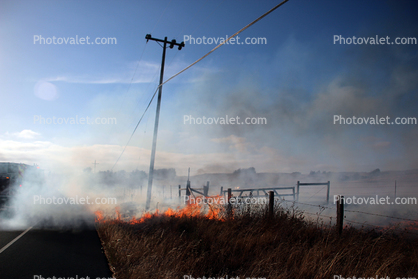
x=118 y=216
x=190 y=210
x=99 y=216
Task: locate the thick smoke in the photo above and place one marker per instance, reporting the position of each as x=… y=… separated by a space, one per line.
x=300 y=129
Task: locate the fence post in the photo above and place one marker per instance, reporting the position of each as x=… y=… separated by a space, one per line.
x=180 y=193
x=340 y=214
x=297 y=195
x=328 y=191
x=229 y=208
x=271 y=204
x=188 y=191
x=206 y=189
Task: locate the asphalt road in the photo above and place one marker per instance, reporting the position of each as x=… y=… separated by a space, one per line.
x=48 y=252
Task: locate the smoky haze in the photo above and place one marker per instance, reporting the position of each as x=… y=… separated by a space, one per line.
x=300 y=105
x=127 y=193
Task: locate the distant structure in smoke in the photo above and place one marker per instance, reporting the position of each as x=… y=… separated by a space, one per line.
x=352 y=176
x=249 y=171
x=375 y=172
x=319 y=173
x=165 y=174
x=246 y=177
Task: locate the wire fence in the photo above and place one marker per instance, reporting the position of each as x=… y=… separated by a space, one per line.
x=364 y=223
x=406 y=227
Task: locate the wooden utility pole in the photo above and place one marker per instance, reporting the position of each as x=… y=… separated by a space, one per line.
x=95 y=165
x=157 y=115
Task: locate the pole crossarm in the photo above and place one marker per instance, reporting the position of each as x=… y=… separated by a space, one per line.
x=173 y=42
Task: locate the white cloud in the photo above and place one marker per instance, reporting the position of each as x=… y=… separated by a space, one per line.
x=27 y=134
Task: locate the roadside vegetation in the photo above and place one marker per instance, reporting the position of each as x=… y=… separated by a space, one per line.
x=252 y=244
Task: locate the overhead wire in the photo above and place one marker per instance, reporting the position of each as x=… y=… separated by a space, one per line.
x=224 y=42
x=203 y=21
x=194 y=63
x=160 y=17
x=133 y=76
x=142 y=53
x=136 y=127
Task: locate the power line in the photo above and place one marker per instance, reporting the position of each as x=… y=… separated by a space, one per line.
x=146 y=89
x=136 y=127
x=224 y=42
x=203 y=21
x=194 y=63
x=195 y=14
x=160 y=17
x=137 y=65
x=131 y=81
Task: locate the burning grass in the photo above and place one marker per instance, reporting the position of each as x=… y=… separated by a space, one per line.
x=252 y=244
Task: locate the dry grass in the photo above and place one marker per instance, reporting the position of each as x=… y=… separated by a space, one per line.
x=252 y=245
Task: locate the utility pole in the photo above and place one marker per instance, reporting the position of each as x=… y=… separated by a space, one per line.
x=157 y=115
x=95 y=165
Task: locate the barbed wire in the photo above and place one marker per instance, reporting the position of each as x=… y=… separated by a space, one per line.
x=318 y=215
x=380 y=215
x=314 y=205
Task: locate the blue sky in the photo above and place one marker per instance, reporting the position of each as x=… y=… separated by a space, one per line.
x=298 y=81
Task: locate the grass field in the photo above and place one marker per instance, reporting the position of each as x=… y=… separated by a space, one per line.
x=252 y=245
